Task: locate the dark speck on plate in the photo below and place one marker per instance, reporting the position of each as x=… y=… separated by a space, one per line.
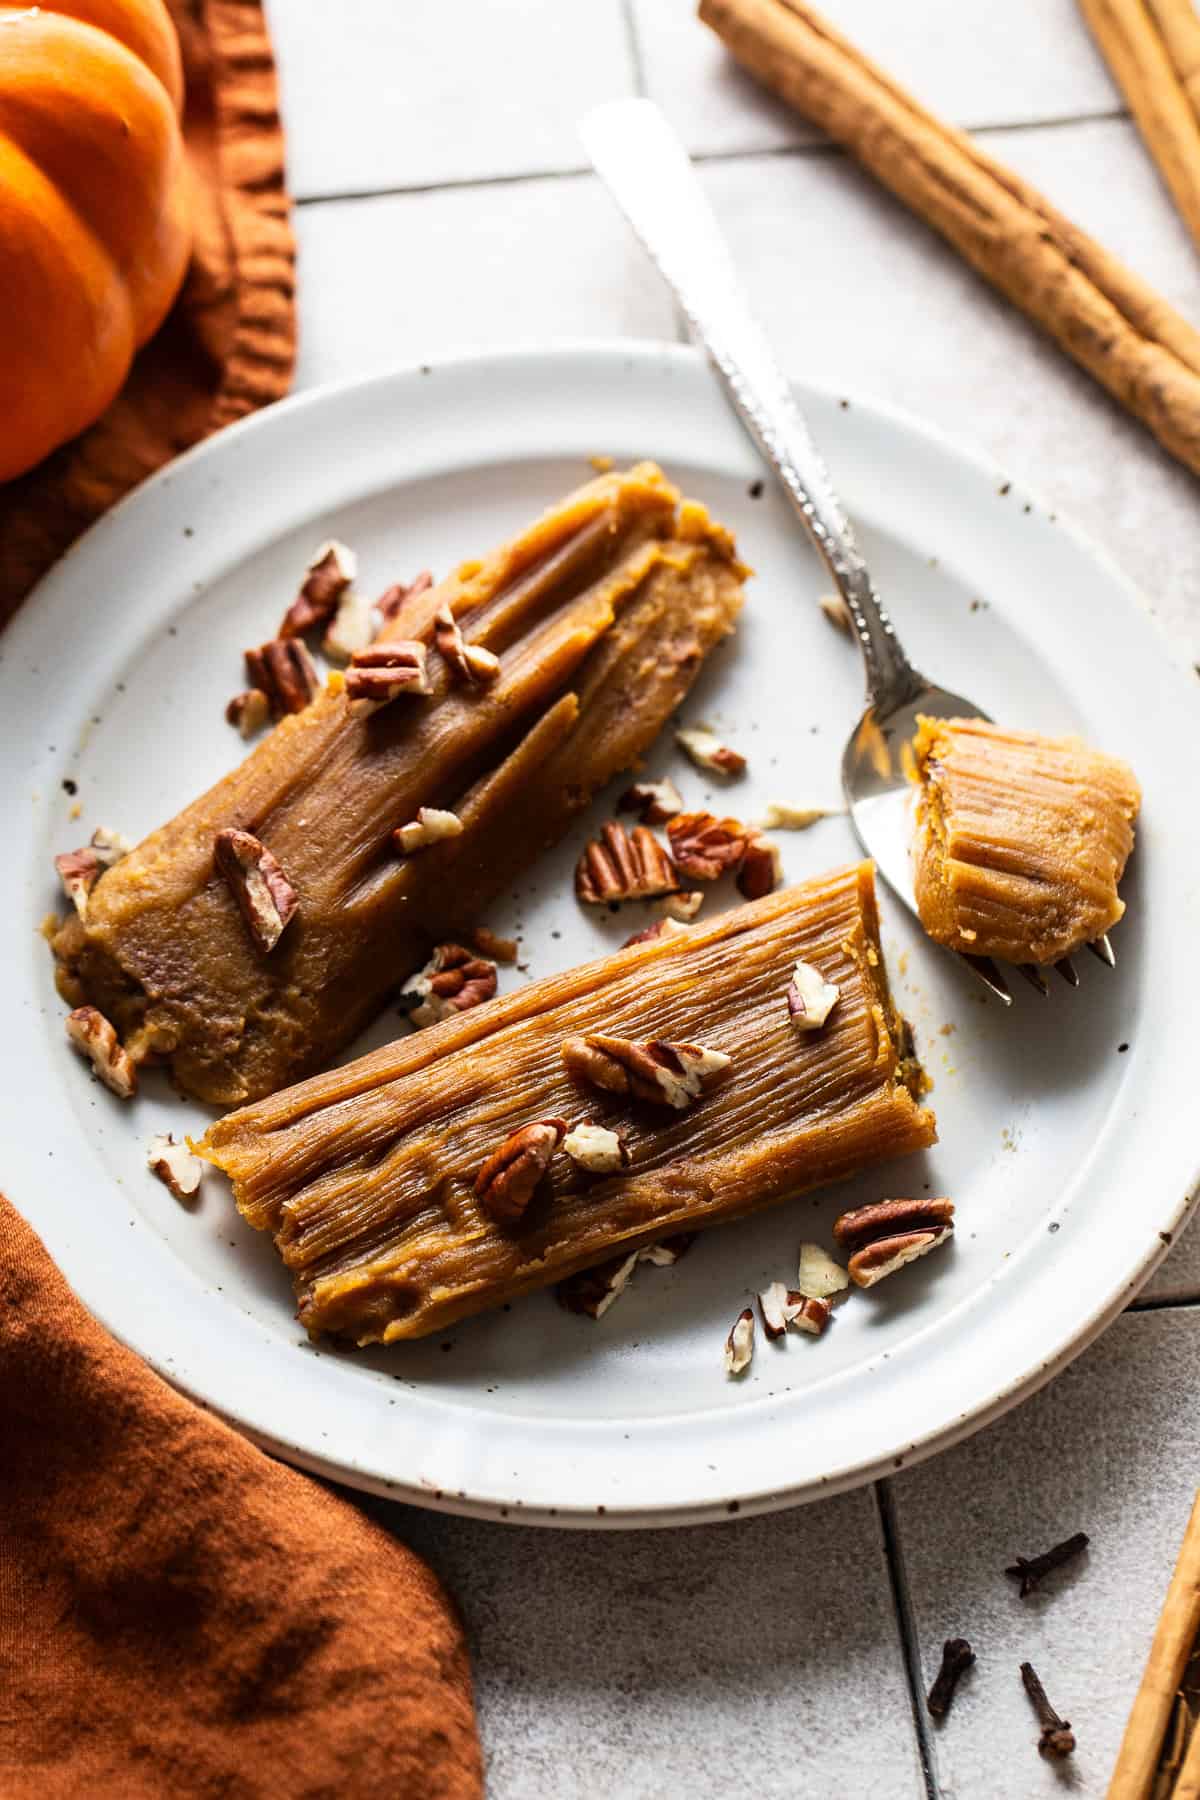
x=1121 y=1049
x=755 y=490
x=69 y=786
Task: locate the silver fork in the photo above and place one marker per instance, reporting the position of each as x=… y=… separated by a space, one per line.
x=649 y=174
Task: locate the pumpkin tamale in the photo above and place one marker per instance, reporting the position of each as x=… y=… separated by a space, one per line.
x=1021 y=839
x=366 y=1174
x=601 y=614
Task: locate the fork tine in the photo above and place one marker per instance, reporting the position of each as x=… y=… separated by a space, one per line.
x=1034 y=977
x=1066 y=968
x=1102 y=949
x=985 y=969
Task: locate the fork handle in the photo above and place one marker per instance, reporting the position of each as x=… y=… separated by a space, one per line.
x=648 y=172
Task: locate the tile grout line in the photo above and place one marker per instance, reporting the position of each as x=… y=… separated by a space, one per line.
x=705 y=158
x=634 y=43
x=907 y=1627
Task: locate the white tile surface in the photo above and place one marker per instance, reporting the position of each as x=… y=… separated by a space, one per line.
x=857 y=293
x=392 y=279
x=404 y=93
x=1111 y=1448
x=757 y=1658
x=974 y=62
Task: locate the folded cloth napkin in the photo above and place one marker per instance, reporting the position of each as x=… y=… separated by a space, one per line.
x=181 y=1615
x=228 y=343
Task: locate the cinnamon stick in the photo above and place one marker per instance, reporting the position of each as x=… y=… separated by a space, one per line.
x=1113 y=324
x=1153 y=50
x=1174 y=1638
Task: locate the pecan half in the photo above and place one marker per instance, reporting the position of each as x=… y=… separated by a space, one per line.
x=249 y=711
x=880 y=1239
x=453 y=980
x=430 y=826
x=667 y=927
x=664 y=1074
x=505 y=1183
x=705 y=749
x=174 y=1165
x=283 y=670
x=326 y=579
x=597 y=1148
x=393 y=598
x=266 y=898
x=470 y=662
x=80 y=870
x=382 y=672
x=619 y=865
x=739 y=1345
x=761 y=870
x=592 y=1291
x=654 y=801
x=667 y=1252
x=92 y=1035
x=351 y=629
x=810 y=998
x=705 y=847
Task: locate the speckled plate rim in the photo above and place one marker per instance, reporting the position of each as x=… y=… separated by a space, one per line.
x=567 y=398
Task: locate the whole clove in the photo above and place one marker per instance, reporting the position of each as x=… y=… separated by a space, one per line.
x=957 y=1657
x=1057 y=1739
x=1029 y=1570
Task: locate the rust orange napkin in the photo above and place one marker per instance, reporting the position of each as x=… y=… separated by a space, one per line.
x=228 y=344
x=181 y=1615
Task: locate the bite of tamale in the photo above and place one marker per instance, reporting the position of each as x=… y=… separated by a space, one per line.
x=369 y=1176
x=1021 y=839
x=600 y=614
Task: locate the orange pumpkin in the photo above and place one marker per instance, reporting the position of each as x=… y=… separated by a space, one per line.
x=94 y=232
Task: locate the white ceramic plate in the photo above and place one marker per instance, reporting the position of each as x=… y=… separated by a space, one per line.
x=1067 y=1126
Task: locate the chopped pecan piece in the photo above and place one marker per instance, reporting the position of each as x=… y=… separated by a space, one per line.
x=174 y=1165
x=489 y=943
x=264 y=894
x=808 y=1314
x=453 y=980
x=80 y=870
x=667 y=1252
x=430 y=826
x=664 y=1074
x=351 y=629
x=620 y=866
x=739 y=1345
x=91 y=1034
x=505 y=1183
x=393 y=598
x=706 y=750
x=810 y=998
x=681 y=909
x=705 y=847
x=761 y=870
x=775 y=1309
x=382 y=672
x=470 y=662
x=326 y=579
x=283 y=671
x=838 y=613
x=654 y=801
x=667 y=927
x=249 y=711
x=597 y=1148
x=593 y=1291
x=880 y=1239
x=820 y=1277
x=780 y=817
